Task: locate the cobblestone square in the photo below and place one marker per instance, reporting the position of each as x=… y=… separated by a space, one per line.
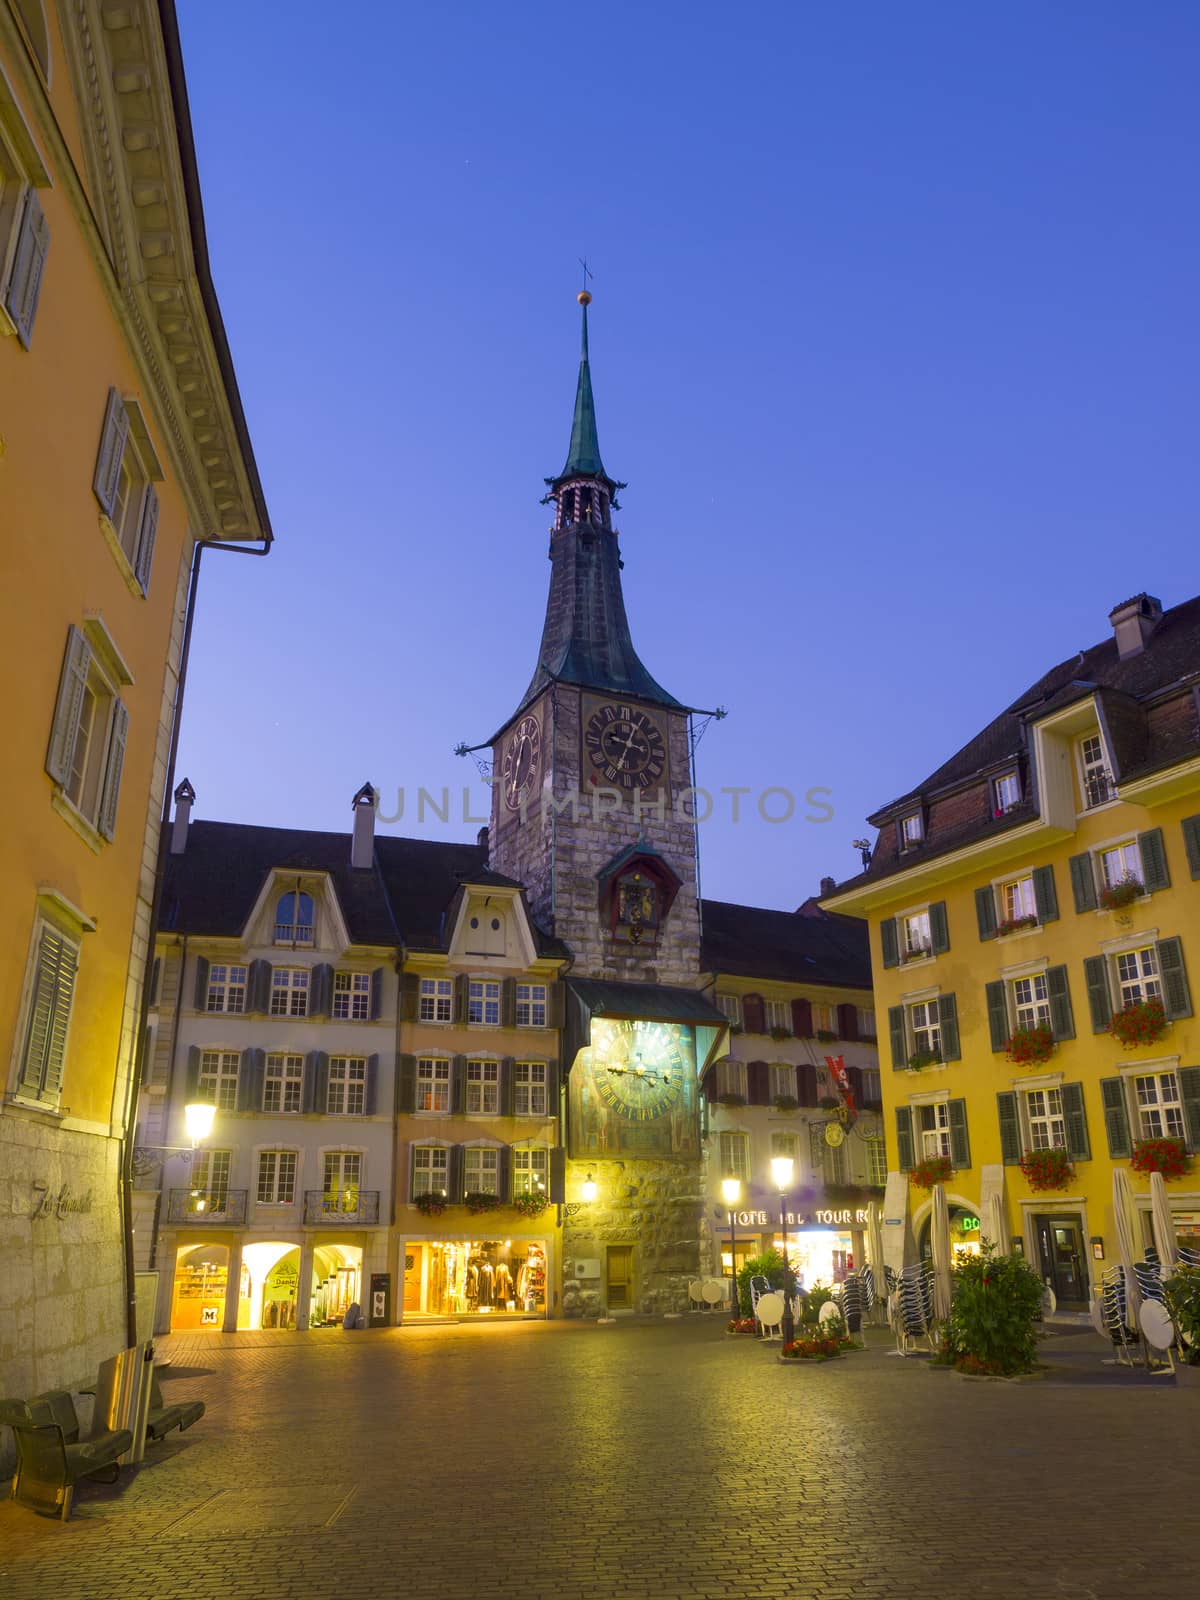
x=641 y=1460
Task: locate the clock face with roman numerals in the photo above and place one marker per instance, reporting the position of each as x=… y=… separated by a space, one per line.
x=624 y=746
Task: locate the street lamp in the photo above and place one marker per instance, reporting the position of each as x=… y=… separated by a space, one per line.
x=198 y=1120
x=783 y=1169
x=731 y=1193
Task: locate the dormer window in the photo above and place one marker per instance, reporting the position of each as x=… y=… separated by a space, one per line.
x=1095 y=780
x=1006 y=793
x=294 y=919
x=912 y=831
x=485 y=930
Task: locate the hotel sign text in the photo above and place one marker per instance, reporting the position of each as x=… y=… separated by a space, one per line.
x=845 y=1218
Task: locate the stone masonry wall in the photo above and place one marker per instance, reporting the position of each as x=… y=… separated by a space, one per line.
x=653 y=1206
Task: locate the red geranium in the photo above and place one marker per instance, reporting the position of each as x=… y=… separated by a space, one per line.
x=1167 y=1156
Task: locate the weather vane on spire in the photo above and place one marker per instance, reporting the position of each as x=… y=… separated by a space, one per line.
x=585 y=295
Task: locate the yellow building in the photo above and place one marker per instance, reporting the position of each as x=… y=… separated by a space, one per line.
x=123 y=445
x=1030 y=903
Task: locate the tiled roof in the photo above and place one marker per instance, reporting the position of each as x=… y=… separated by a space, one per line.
x=786 y=946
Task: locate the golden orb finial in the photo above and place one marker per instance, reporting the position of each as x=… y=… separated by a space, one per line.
x=584 y=297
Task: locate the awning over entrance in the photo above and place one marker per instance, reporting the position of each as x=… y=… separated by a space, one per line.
x=647 y=1002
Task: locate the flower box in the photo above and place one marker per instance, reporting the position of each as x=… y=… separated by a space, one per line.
x=1119 y=895
x=918 y=954
x=1047 y=1169
x=731 y=1099
x=477 y=1202
x=431 y=1205
x=934 y=1169
x=781 y=1033
x=742 y=1325
x=1015 y=924
x=786 y=1102
x=1168 y=1156
x=530 y=1205
x=826 y=1035
x=1143 y=1022
x=1029 y=1047
x=816 y=1347
x=924 y=1058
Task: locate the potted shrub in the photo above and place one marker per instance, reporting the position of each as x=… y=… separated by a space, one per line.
x=1142 y=1022
x=531 y=1204
x=786 y=1102
x=924 y=1058
x=741 y=1325
x=769 y=1265
x=1182 y=1291
x=1047 y=1169
x=478 y=1202
x=933 y=1169
x=1029 y=1047
x=731 y=1099
x=1168 y=1156
x=781 y=1033
x=995 y=1310
x=1015 y=924
x=826 y=1035
x=1121 y=894
x=430 y=1205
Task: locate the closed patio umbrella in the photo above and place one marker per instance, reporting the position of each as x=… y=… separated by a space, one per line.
x=875 y=1251
x=1123 y=1219
x=1165 y=1241
x=996 y=1227
x=939 y=1242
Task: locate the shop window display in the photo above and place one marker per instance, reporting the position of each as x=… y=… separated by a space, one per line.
x=475 y=1277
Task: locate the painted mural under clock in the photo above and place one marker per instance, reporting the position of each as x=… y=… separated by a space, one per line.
x=502 y=1078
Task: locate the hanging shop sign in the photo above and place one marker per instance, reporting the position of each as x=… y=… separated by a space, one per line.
x=845 y=1218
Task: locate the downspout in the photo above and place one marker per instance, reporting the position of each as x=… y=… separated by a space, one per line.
x=174 y=1056
x=129 y=1121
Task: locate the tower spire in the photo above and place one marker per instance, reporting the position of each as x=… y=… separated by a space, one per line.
x=583 y=457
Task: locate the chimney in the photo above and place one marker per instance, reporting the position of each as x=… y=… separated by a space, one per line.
x=185 y=795
x=362 y=845
x=828 y=885
x=1133 y=621
x=482 y=841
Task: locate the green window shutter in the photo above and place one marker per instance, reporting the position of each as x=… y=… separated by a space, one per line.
x=315 y=1084
x=1189 y=1093
x=504 y=1173
x=193 y=1071
x=112 y=447
x=29 y=264
x=948 y=1026
x=455 y=1173
x=76 y=665
x=406 y=1095
x=558 y=1176
x=1045 y=895
x=985 y=912
x=508 y=1002
x=458 y=1085
x=507 y=1087
x=258 y=987
x=376 y=1008
x=462 y=996
x=890 y=942
x=371 y=1094
x=1177 y=998
x=939 y=930
x=412 y=1173
x=1116 y=1117
x=42 y=1061
x=113 y=767
x=1062 y=1018
x=896 y=1029
x=1191 y=843
x=201 y=983
x=1010 y=1128
x=960 y=1148
x=144 y=559
x=1154 y=860
x=1075 y=1118
x=997 y=1010
x=1095 y=972
x=1083 y=882
x=410 y=996
x=320 y=990
x=250 y=1079
x=904 y=1138
x=553 y=1098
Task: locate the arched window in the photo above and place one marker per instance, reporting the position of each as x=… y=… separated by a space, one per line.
x=33 y=18
x=294 y=918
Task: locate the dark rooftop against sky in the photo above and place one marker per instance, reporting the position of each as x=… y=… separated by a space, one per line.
x=894 y=341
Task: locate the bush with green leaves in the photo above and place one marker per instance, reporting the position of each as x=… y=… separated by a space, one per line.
x=994 y=1314
x=770 y=1265
x=1182 y=1291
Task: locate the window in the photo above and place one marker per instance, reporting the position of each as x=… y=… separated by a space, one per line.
x=1006 y=793
x=926 y=1033
x=731 y=1006
x=346 y=1094
x=483 y=1002
x=1159 y=1107
x=870 y=1086
x=294 y=919
x=1137 y=976
x=218 y=1080
x=226 y=989
x=483 y=1086
x=289 y=991
x=210 y=1181
x=529 y=1089
x=734 y=1156
x=87 y=739
x=917 y=938
x=911 y=831
x=866 y=1022
x=436 y=1000
x=1017 y=899
x=1031 y=1001
x=836 y=1164
x=1047 y=1125
x=1094 y=777
x=779 y=1016
x=785 y=1144
x=531 y=1005
x=433 y=1084
x=128 y=499
x=339 y=1190
x=24 y=237
x=783 y=1082
x=824 y=1019
x=352 y=996
x=934 y=1124
x=1120 y=863
x=430 y=1173
x=481 y=1169
x=284 y=1083
x=52 y=988
x=276 y=1178
x=531 y=1170
x=877 y=1167
x=731 y=1077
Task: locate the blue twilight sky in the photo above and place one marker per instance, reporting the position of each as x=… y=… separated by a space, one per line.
x=894 y=340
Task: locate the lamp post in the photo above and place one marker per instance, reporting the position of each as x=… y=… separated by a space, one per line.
x=731 y=1193
x=783 y=1169
x=198 y=1118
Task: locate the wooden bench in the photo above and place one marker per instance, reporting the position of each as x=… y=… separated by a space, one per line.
x=51 y=1458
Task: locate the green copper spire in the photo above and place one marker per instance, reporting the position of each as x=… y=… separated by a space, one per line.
x=583 y=458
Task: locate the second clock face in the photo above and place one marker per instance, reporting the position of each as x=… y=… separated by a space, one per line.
x=624 y=746
x=522 y=762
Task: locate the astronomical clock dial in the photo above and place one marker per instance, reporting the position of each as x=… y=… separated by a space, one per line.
x=522 y=762
x=639 y=1069
x=624 y=746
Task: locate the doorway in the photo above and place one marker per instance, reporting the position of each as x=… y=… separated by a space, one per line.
x=1061 y=1259
x=620 y=1277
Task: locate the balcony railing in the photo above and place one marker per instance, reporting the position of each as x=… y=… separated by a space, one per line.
x=293 y=933
x=349 y=1209
x=219 y=1209
x=1098 y=788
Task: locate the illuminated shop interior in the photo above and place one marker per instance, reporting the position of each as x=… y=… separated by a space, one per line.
x=475 y=1277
